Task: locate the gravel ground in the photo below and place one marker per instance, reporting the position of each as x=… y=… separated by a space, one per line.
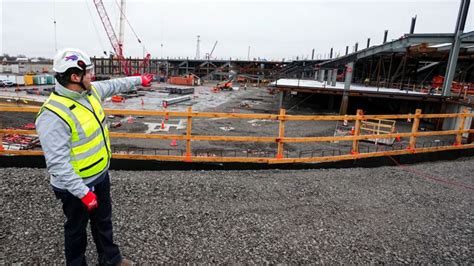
x=412 y=214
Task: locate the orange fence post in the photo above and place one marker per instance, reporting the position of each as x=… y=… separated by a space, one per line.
x=355 y=142
x=462 y=115
x=414 y=130
x=188 y=134
x=281 y=133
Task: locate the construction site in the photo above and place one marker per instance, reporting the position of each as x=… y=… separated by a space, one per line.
x=359 y=157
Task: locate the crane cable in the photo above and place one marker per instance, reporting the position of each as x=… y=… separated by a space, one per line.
x=95 y=28
x=128 y=22
x=55 y=31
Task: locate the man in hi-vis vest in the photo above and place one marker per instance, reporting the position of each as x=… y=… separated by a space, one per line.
x=72 y=128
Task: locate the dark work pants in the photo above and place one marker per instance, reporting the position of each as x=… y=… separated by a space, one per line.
x=77 y=218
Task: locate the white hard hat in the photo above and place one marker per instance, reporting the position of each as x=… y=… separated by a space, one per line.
x=69 y=58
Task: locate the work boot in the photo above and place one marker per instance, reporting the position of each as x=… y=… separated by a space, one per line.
x=125 y=262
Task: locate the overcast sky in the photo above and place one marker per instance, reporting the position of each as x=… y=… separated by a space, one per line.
x=168 y=28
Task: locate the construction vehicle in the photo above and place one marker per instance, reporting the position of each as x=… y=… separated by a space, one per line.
x=223 y=85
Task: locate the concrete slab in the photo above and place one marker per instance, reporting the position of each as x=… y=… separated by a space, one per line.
x=340 y=86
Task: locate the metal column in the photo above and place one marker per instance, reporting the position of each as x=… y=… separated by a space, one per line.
x=334 y=77
x=280 y=103
x=454 y=53
x=347 y=85
x=329 y=76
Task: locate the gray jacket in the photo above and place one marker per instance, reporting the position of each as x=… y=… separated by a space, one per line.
x=55 y=136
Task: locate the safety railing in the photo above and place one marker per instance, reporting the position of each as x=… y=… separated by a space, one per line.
x=279 y=138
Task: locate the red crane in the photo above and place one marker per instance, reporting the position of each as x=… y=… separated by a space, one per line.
x=115 y=42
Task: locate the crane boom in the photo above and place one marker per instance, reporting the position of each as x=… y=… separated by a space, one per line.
x=117 y=43
x=122 y=23
x=112 y=36
x=108 y=27
x=214 y=47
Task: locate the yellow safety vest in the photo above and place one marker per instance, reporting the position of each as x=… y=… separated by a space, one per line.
x=90 y=142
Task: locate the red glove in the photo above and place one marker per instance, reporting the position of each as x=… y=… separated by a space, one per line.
x=90 y=200
x=146 y=80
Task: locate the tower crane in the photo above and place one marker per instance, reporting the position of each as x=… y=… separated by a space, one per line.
x=114 y=41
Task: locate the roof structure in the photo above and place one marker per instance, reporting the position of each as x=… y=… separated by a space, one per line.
x=436 y=41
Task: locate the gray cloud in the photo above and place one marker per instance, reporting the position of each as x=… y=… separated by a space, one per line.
x=273 y=29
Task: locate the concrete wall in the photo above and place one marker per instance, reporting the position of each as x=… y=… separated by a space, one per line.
x=453 y=123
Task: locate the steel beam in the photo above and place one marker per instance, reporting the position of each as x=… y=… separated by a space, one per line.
x=329 y=78
x=467 y=37
x=347 y=85
x=454 y=53
x=399 y=45
x=334 y=77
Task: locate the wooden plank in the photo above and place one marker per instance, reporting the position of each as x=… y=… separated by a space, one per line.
x=372 y=126
x=260 y=138
x=414 y=129
x=21 y=152
x=146 y=136
x=234 y=138
x=281 y=134
x=246 y=116
x=355 y=142
x=20 y=109
x=18 y=131
x=262 y=159
x=461 y=126
x=188 y=132
x=367 y=123
x=445 y=115
x=363 y=137
x=190 y=158
x=234 y=115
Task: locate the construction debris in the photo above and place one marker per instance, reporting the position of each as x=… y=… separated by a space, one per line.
x=20 y=142
x=115 y=124
x=245 y=105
